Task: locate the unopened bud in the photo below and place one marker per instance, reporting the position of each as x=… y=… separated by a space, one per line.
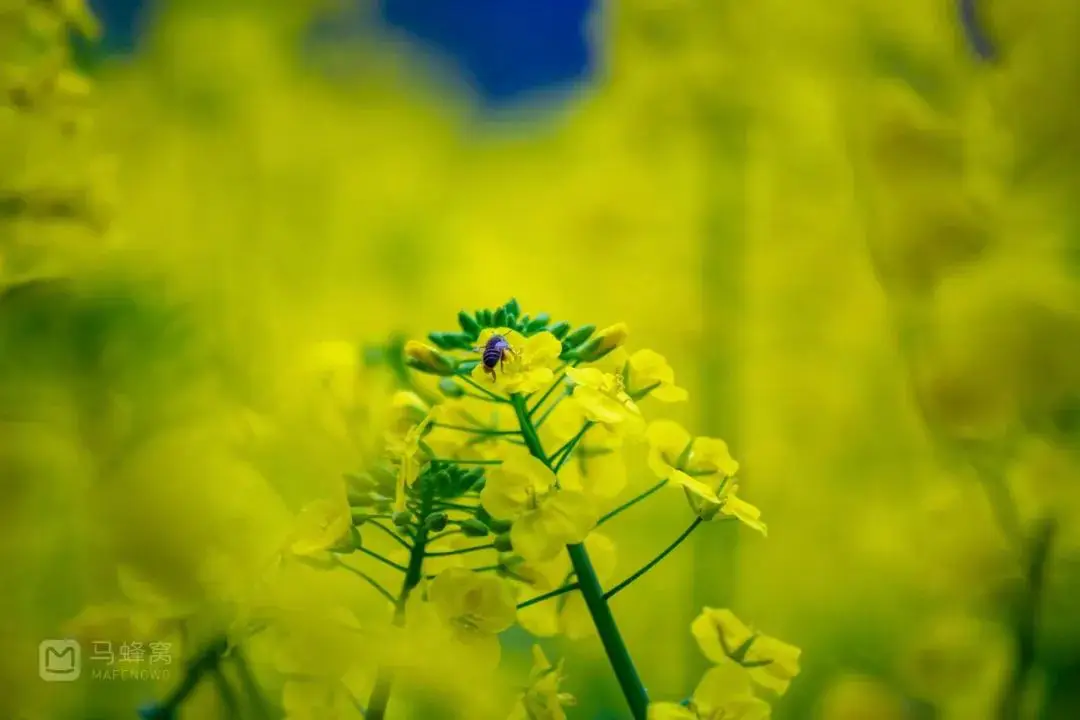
x=436 y=522
x=496 y=525
x=471 y=527
x=349 y=543
x=502 y=543
x=608 y=339
x=402 y=518
x=427 y=359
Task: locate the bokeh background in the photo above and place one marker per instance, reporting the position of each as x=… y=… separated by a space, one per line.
x=854 y=237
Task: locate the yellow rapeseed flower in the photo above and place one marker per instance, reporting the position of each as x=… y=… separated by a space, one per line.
x=428 y=359
x=545 y=518
x=542 y=699
x=528 y=367
x=650 y=374
x=407 y=452
x=320 y=525
x=723 y=638
x=704 y=469
x=476 y=607
x=604 y=400
x=724 y=693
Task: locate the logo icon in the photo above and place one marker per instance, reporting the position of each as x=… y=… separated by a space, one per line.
x=59 y=660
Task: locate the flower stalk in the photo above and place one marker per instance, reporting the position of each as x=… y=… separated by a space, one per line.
x=622 y=664
x=414 y=573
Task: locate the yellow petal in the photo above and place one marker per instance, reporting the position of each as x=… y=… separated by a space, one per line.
x=649 y=366
x=745 y=512
x=783 y=665
x=542 y=350
x=532 y=539
x=713 y=454
x=721 y=684
x=541 y=619
x=669 y=711
x=569 y=515
x=667 y=441
x=669 y=394
x=713 y=624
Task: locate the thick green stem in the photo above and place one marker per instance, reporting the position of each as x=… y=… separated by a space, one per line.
x=414 y=573
x=593 y=594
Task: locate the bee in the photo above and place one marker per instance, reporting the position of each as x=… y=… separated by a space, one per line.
x=495 y=352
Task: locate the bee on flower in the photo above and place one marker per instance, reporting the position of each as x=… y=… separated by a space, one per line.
x=494 y=353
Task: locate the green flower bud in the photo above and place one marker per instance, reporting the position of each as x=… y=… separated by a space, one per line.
x=349 y=543
x=449 y=388
x=402 y=519
x=512 y=307
x=485 y=318
x=497 y=526
x=427 y=359
x=450 y=341
x=579 y=336
x=472 y=527
x=604 y=342
x=499 y=318
x=468 y=324
x=560 y=329
x=474 y=479
x=436 y=522
x=502 y=543
x=537 y=324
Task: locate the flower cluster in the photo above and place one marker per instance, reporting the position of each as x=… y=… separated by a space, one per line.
x=504 y=459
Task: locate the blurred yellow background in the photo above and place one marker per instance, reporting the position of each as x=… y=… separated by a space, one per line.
x=855 y=242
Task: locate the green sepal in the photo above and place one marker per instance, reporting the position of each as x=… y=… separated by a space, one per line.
x=450 y=388
x=512 y=307
x=538 y=323
x=502 y=543
x=560 y=329
x=485 y=317
x=499 y=318
x=436 y=522
x=471 y=527
x=468 y=324
x=579 y=336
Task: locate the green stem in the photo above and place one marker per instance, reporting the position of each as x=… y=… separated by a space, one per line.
x=380 y=558
x=414 y=573
x=593 y=593
x=490 y=395
x=631 y=502
x=655 y=561
x=567 y=450
x=397 y=538
x=456 y=461
x=543 y=398
x=367 y=578
x=476 y=430
x=461 y=551
x=548 y=595
x=617 y=653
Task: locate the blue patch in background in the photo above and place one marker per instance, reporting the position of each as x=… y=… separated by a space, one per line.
x=504 y=50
